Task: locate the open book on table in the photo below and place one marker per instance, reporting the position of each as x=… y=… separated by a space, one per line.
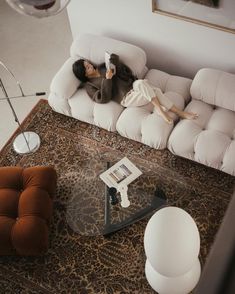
x=120 y=174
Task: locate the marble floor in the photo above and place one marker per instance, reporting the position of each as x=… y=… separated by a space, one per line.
x=33 y=49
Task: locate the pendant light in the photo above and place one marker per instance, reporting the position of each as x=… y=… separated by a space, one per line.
x=38 y=8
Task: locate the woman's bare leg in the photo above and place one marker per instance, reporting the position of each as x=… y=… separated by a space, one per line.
x=163 y=114
x=183 y=114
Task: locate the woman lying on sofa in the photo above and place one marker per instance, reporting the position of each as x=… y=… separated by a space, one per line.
x=103 y=85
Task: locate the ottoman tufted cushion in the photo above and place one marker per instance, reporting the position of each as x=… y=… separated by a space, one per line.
x=25 y=209
x=143 y=123
x=210 y=139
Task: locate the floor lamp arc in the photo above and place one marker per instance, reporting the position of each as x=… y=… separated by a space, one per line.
x=25 y=142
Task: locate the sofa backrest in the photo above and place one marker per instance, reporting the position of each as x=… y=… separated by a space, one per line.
x=93 y=48
x=214 y=87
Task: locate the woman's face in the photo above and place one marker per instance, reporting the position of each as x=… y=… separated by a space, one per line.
x=89 y=68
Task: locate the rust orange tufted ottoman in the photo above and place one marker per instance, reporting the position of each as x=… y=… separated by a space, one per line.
x=25 y=209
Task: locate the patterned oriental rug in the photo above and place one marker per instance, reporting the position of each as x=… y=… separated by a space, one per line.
x=82 y=264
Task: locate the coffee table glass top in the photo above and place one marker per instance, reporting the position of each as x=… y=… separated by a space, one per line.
x=90 y=212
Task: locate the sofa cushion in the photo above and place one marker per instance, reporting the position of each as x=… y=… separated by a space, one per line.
x=209 y=139
x=59 y=104
x=93 y=48
x=170 y=83
x=143 y=123
x=65 y=84
x=214 y=87
x=102 y=115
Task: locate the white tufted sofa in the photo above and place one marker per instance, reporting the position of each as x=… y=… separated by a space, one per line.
x=190 y=139
x=138 y=123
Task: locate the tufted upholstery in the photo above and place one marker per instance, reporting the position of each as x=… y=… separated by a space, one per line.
x=214 y=87
x=148 y=127
x=210 y=139
x=93 y=48
x=64 y=95
x=102 y=115
x=25 y=209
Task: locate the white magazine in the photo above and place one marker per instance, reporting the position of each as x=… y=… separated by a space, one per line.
x=120 y=174
x=108 y=64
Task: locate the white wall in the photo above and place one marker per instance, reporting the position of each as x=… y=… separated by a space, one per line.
x=173 y=45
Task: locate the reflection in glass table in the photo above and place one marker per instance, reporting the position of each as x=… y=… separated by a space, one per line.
x=95 y=209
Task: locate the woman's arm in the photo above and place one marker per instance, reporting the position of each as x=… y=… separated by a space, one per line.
x=105 y=94
x=101 y=93
x=107 y=86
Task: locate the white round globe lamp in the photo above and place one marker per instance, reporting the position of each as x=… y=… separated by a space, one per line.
x=172 y=245
x=38 y=8
x=173 y=285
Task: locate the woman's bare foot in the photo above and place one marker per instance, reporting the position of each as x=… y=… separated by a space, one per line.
x=188 y=115
x=183 y=114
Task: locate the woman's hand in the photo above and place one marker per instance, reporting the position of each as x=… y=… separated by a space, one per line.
x=109 y=74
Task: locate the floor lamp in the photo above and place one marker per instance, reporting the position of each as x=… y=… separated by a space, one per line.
x=25 y=142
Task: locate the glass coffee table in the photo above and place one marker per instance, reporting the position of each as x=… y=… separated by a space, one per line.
x=92 y=209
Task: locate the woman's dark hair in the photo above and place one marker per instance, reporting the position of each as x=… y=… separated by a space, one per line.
x=79 y=70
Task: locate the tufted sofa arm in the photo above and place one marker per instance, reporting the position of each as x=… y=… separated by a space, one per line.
x=214 y=87
x=63 y=86
x=209 y=139
x=25 y=209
